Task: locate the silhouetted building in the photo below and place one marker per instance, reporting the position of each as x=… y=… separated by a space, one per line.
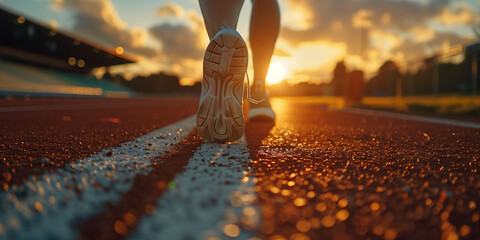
x=472 y=59
x=300 y=89
x=385 y=82
x=339 y=79
x=159 y=83
x=354 y=88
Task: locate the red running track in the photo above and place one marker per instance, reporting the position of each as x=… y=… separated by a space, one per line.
x=64 y=130
x=321 y=173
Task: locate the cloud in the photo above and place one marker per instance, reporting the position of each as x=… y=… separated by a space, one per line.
x=57 y=4
x=339 y=20
x=421 y=34
x=387 y=29
x=181 y=37
x=461 y=14
x=178 y=41
x=299 y=16
x=362 y=19
x=170 y=9
x=280 y=52
x=98 y=20
x=182 y=41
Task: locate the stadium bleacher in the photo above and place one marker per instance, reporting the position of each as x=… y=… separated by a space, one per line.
x=36 y=60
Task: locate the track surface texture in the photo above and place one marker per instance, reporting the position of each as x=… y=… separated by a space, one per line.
x=39 y=135
x=331 y=175
x=316 y=173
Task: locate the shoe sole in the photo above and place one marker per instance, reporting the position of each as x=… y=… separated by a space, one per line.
x=220 y=113
x=261 y=114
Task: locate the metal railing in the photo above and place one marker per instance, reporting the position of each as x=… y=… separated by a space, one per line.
x=454 y=70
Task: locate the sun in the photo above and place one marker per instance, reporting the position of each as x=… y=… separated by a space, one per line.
x=277 y=71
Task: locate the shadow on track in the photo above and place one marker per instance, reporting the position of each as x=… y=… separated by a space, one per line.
x=255 y=132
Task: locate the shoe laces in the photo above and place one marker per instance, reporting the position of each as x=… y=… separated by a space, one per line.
x=250 y=99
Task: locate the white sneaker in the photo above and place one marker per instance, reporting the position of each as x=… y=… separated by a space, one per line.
x=260 y=110
x=220 y=112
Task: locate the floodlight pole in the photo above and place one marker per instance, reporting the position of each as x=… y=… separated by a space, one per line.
x=362 y=36
x=436 y=74
x=475 y=53
x=474 y=70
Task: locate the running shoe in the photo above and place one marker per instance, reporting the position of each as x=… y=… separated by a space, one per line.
x=261 y=110
x=220 y=113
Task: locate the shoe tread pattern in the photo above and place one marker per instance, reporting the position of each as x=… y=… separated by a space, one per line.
x=220 y=113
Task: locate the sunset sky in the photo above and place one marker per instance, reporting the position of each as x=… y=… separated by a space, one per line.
x=169 y=35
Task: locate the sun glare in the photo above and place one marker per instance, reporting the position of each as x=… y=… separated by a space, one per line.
x=277 y=72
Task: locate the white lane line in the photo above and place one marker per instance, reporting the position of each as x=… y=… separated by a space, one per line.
x=411 y=117
x=45 y=207
x=209 y=200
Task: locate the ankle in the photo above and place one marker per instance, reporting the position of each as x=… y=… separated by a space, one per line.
x=258 y=85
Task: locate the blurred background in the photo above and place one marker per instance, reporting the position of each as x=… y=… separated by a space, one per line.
x=406 y=55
